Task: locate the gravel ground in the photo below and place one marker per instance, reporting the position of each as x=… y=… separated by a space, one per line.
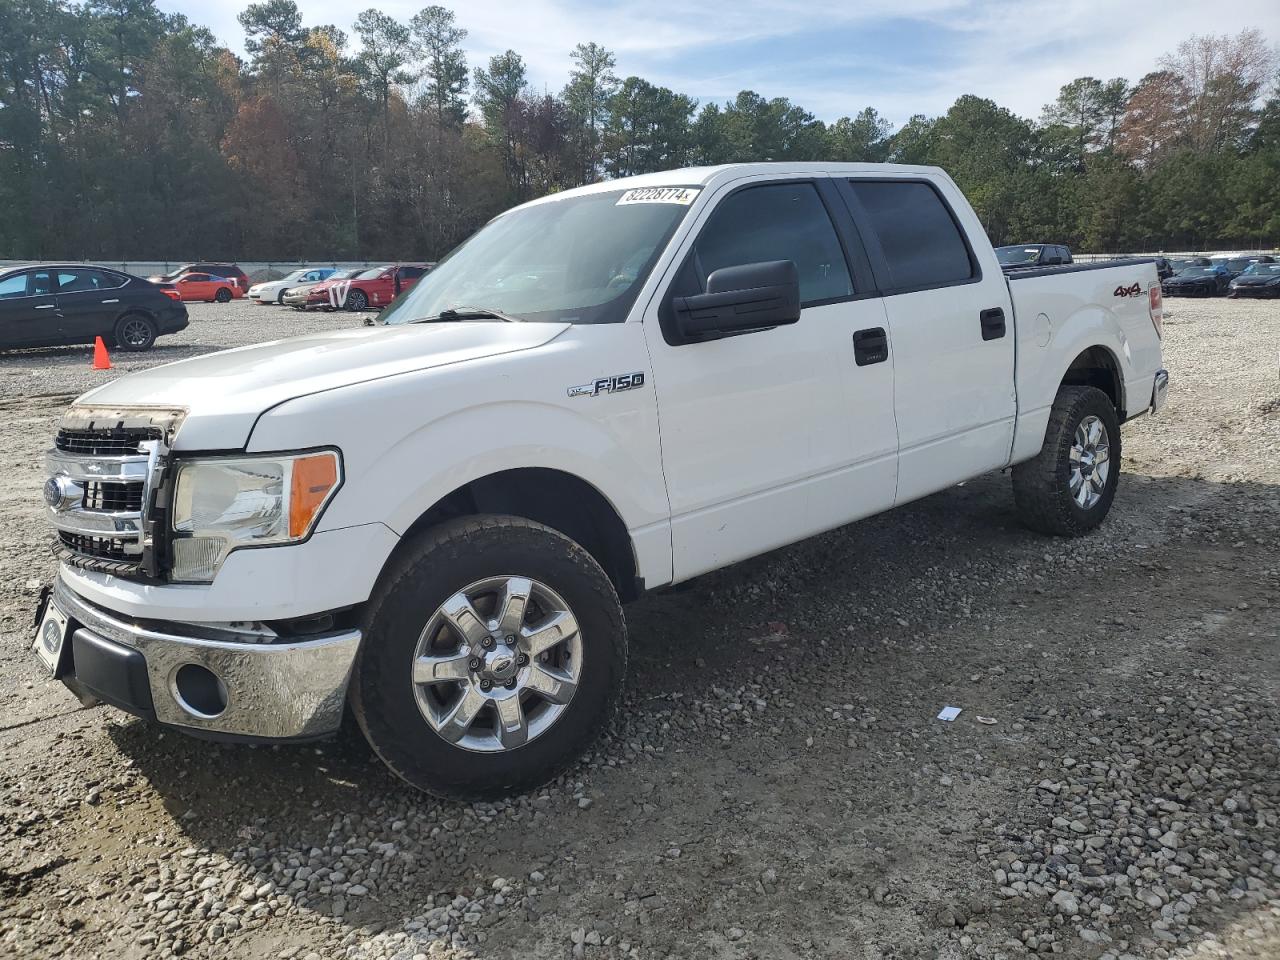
x=777 y=785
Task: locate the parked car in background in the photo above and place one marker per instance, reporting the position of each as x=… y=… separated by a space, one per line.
x=272 y=291
x=47 y=304
x=229 y=270
x=1164 y=268
x=1181 y=263
x=1236 y=265
x=1258 y=280
x=377 y=287
x=205 y=286
x=1024 y=256
x=301 y=297
x=1210 y=281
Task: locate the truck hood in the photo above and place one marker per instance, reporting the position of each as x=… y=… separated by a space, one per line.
x=224 y=393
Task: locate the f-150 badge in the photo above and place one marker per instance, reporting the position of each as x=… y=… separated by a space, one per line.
x=623 y=381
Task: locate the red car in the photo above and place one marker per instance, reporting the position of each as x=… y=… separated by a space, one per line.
x=372 y=289
x=205 y=286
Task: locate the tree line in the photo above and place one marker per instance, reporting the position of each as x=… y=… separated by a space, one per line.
x=130 y=133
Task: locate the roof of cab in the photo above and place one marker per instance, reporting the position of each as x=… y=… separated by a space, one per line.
x=712 y=176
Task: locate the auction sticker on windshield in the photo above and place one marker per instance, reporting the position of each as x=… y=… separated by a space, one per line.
x=681 y=195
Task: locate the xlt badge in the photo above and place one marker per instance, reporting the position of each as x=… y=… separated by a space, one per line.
x=623 y=381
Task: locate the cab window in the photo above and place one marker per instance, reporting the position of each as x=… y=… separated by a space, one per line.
x=779 y=221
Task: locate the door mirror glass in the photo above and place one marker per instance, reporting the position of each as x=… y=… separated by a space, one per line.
x=753 y=296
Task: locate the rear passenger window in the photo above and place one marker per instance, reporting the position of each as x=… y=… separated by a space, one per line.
x=921 y=241
x=775 y=222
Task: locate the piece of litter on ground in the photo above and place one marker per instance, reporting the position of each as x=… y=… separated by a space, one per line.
x=987 y=720
x=949 y=713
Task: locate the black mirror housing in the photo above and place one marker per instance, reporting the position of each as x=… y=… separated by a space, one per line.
x=753 y=296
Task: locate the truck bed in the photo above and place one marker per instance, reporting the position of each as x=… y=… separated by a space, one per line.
x=1062 y=311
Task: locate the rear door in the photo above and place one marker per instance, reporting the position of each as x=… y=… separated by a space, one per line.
x=951 y=330
x=773 y=435
x=89 y=301
x=28 y=309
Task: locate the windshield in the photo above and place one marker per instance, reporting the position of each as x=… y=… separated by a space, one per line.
x=1198 y=272
x=579 y=259
x=1263 y=270
x=296 y=275
x=373 y=274
x=1012 y=256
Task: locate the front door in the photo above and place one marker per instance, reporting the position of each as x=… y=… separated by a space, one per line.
x=773 y=435
x=28 y=309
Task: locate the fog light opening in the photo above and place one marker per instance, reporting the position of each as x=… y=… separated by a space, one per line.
x=199 y=691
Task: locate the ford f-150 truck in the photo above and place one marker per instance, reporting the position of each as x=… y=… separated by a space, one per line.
x=435 y=519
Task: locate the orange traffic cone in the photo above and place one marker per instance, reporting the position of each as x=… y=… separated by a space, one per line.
x=101 y=359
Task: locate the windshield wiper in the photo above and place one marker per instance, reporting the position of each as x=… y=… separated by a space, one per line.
x=467 y=313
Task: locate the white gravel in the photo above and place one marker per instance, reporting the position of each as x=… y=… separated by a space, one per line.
x=777 y=785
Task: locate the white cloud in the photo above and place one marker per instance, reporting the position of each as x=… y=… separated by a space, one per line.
x=1016 y=54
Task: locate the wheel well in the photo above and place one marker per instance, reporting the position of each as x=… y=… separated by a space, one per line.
x=1097 y=367
x=561 y=501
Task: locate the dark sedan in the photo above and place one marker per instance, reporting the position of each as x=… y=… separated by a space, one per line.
x=1259 y=280
x=47 y=304
x=1197 y=282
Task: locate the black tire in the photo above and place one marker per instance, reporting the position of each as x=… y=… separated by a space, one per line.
x=280 y=299
x=430 y=570
x=223 y=295
x=1042 y=485
x=357 y=300
x=135 y=333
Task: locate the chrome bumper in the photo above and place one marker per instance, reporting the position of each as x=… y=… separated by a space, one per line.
x=1160 y=391
x=272 y=690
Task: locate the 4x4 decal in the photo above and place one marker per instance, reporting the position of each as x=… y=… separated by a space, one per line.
x=1123 y=291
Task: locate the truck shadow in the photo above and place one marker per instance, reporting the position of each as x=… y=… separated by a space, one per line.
x=948 y=600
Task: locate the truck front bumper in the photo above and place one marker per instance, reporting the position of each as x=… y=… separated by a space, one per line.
x=205 y=679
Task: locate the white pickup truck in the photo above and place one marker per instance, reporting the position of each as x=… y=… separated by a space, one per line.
x=435 y=519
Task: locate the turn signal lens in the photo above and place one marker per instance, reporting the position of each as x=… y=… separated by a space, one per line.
x=1156 y=306
x=313 y=478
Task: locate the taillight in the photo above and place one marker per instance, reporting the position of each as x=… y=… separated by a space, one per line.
x=1155 y=299
x=171 y=294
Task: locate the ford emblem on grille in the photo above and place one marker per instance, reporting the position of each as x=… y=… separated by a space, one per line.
x=61 y=493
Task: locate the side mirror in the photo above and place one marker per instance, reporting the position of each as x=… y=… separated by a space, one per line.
x=753 y=296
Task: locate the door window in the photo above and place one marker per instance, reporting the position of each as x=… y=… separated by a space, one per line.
x=79 y=280
x=921 y=241
x=14 y=286
x=780 y=221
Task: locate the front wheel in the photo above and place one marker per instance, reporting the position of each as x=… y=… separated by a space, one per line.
x=494 y=653
x=357 y=300
x=1067 y=488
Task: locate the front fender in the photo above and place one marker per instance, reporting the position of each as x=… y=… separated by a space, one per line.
x=399 y=460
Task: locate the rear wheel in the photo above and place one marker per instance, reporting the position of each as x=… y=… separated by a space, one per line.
x=494 y=653
x=280 y=299
x=135 y=333
x=1068 y=487
x=223 y=295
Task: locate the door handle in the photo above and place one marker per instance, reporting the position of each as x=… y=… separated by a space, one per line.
x=870 y=346
x=992 y=323
x=45 y=306
x=117 y=300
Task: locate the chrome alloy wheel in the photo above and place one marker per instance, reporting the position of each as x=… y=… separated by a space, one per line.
x=136 y=333
x=497 y=663
x=1090 y=462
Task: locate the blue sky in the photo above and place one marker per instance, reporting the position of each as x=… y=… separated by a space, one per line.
x=831 y=56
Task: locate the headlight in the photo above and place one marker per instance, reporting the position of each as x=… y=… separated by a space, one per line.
x=223 y=503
